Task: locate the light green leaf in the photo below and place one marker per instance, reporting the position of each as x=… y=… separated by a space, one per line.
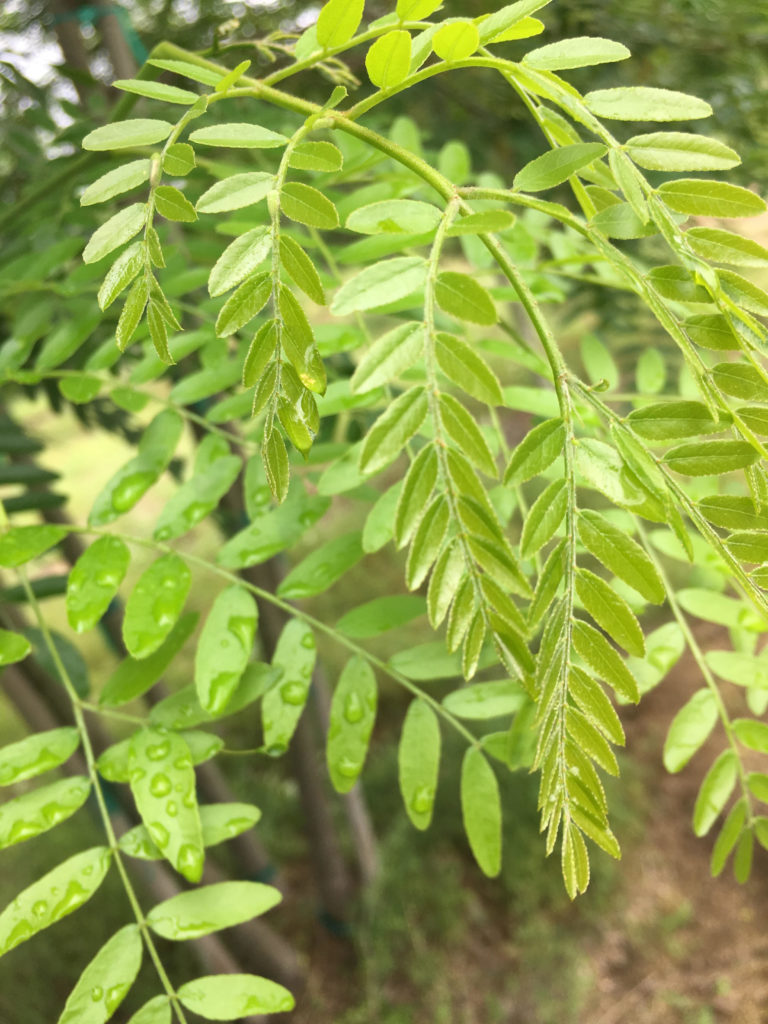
x=642 y=103
x=416 y=10
x=283 y=704
x=456 y=40
x=38 y=753
x=465 y=433
x=232 y=996
x=389 y=356
x=579 y=52
x=378 y=285
x=198 y=497
x=225 y=647
x=338 y=21
x=162 y=779
x=322 y=567
x=729 y=836
x=238 y=136
x=352 y=714
x=481 y=811
x=307 y=205
x=13 y=648
x=557 y=166
x=538 y=450
x=462 y=297
x=41 y=809
x=156 y=91
x=753 y=734
x=733 y=512
x=610 y=611
x=418 y=758
x=427 y=541
x=316 y=156
x=273 y=532
x=173 y=204
x=156 y=1011
x=497 y=25
x=244 y=304
x=711 y=458
x=190 y=915
x=544 y=517
x=703 y=198
x=669 y=420
x=480 y=223
x=134 y=677
x=235 y=192
x=127 y=134
x=114 y=183
x=132 y=312
x=690 y=729
x=680 y=151
x=388 y=61
x=722 y=246
x=392 y=431
x=393 y=216
x=604 y=660
x=179 y=160
x=301 y=269
x=195 y=72
x=106 y=980
x=651 y=372
x=715 y=791
x=120 y=274
x=598 y=361
x=62 y=891
x=220 y=822
x=155 y=604
x=113 y=233
x=486 y=700
x=20 y=544
x=464 y=367
x=621 y=555
x=94 y=580
x=602 y=468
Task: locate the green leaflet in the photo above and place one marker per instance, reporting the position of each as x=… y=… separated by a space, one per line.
x=466 y=435
x=190 y=915
x=621 y=555
x=235 y=192
x=243 y=305
x=225 y=647
x=232 y=996
x=416 y=491
x=219 y=822
x=155 y=604
x=752 y=734
x=173 y=204
x=690 y=729
x=394 y=216
x=486 y=700
x=726 y=247
x=182 y=709
x=338 y=21
x=20 y=544
x=114 y=183
x=494 y=27
x=456 y=40
x=416 y=10
x=641 y=103
x=162 y=781
x=283 y=704
x=127 y=134
x=106 y=980
x=322 y=567
x=389 y=356
x=58 y=893
x=604 y=661
x=610 y=611
x=115 y=763
x=179 y=160
x=238 y=136
x=316 y=156
x=556 y=166
x=391 y=431
x=120 y=228
x=536 y=452
x=598 y=361
x=133 y=677
x=198 y=497
x=579 y=52
x=667 y=421
x=41 y=809
x=388 y=61
x=481 y=811
x=301 y=269
x=37 y=754
x=704 y=198
x=427 y=542
x=418 y=758
x=125 y=268
x=380 y=615
x=544 y=517
x=465 y=299
x=352 y=714
x=94 y=581
x=680 y=151
x=273 y=532
x=466 y=369
x=711 y=458
x=380 y=284
x=13 y=647
x=307 y=205
x=715 y=792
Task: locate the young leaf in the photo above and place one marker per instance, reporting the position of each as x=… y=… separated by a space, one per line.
x=40 y=809
x=415 y=494
x=418 y=758
x=726 y=247
x=162 y=781
x=353 y=710
x=157 y=91
x=456 y=40
x=20 y=544
x=190 y=915
x=642 y=103
x=388 y=61
x=179 y=160
x=380 y=284
x=604 y=660
x=392 y=431
x=462 y=297
x=338 y=21
x=301 y=269
x=37 y=754
x=114 y=183
x=754 y=735
x=106 y=980
x=235 y=192
x=307 y=205
x=703 y=198
x=134 y=677
x=481 y=811
x=715 y=792
x=316 y=156
x=119 y=276
x=464 y=367
x=537 y=451
x=544 y=517
x=394 y=216
x=238 y=136
x=244 y=304
x=690 y=729
x=173 y=204
x=94 y=581
x=156 y=1011
x=225 y=647
x=711 y=458
x=155 y=604
x=127 y=134
x=465 y=433
x=680 y=151
x=557 y=166
x=62 y=891
x=194 y=72
x=416 y=10
x=389 y=356
x=621 y=555
x=579 y=52
x=232 y=996
x=666 y=421
x=610 y=611
x=13 y=648
x=118 y=229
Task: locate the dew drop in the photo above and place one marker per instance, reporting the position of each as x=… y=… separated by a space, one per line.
x=97 y=994
x=39 y=908
x=160 y=785
x=308 y=641
x=171 y=808
x=276 y=750
x=294 y=693
x=423 y=799
x=353 y=708
x=348 y=768
x=129 y=490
